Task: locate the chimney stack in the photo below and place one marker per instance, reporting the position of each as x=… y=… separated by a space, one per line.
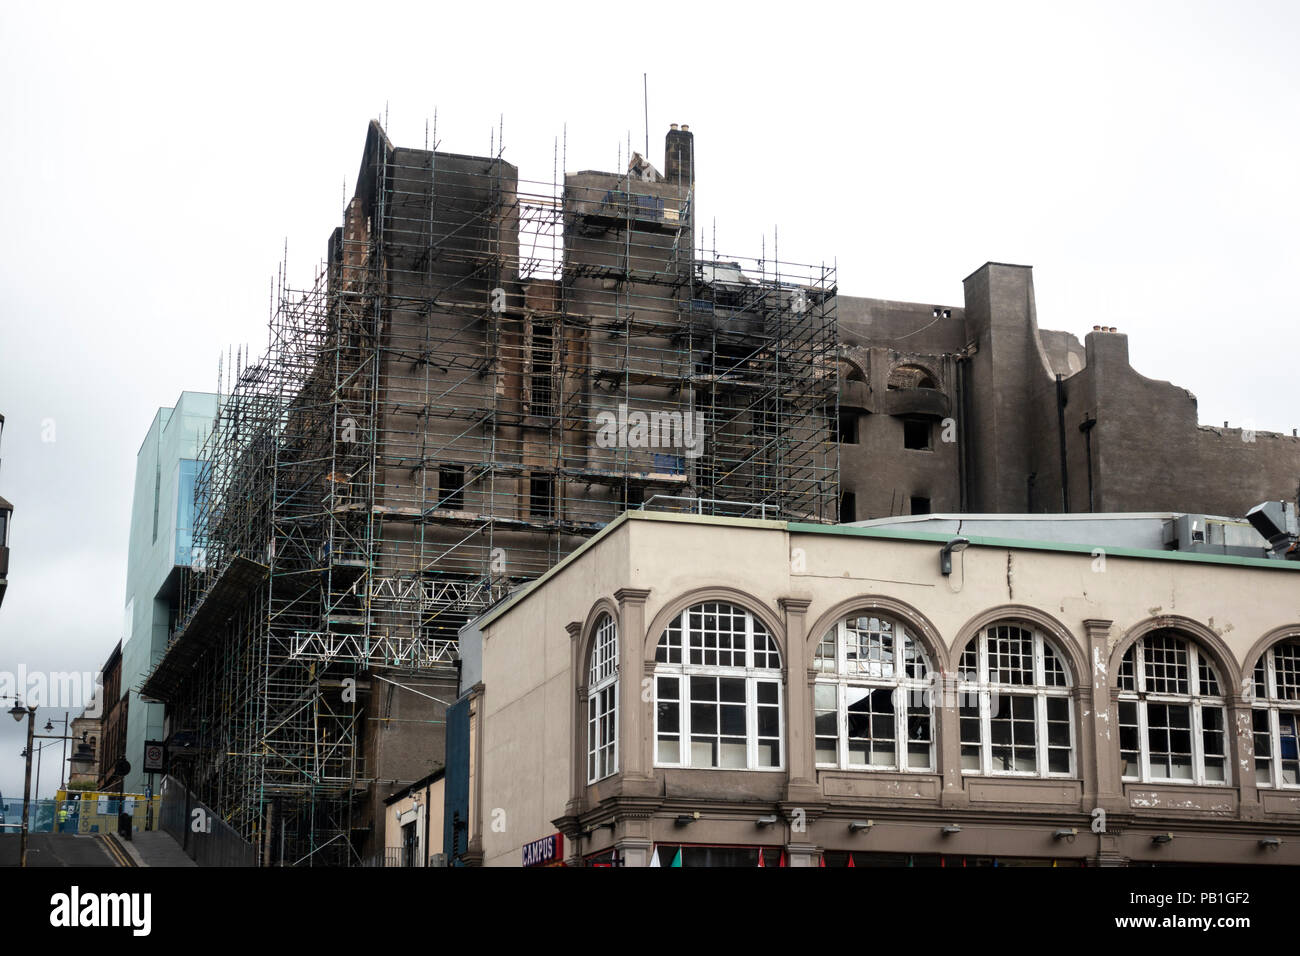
x=679 y=155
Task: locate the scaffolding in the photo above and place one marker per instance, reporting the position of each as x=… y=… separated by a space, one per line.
x=484 y=373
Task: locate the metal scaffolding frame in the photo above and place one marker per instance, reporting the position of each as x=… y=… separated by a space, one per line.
x=484 y=373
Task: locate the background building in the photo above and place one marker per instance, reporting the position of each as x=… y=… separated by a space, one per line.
x=973 y=408
x=159 y=558
x=728 y=686
x=488 y=370
x=112 y=722
x=414 y=826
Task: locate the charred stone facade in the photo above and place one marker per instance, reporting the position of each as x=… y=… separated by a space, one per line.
x=974 y=409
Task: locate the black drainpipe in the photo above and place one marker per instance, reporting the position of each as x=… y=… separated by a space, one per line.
x=1086 y=428
x=961 y=440
x=963 y=429
x=1060 y=427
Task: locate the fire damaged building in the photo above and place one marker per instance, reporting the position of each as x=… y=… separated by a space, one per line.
x=487 y=371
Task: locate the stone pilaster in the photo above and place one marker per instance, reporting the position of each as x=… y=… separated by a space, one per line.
x=800 y=755
x=1099 y=749
x=634 y=713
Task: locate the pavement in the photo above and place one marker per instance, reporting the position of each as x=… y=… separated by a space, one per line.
x=155 y=848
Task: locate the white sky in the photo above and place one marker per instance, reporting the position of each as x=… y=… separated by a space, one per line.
x=1141 y=156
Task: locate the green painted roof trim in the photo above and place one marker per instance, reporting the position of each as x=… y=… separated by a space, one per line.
x=893 y=534
x=796 y=527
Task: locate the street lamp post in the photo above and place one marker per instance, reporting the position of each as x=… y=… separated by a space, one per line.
x=63 y=766
x=18 y=712
x=39 y=753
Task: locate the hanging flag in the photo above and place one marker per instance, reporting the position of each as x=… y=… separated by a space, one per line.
x=782 y=863
x=823 y=860
x=760 y=857
x=654 y=858
x=851 y=860
x=677 y=860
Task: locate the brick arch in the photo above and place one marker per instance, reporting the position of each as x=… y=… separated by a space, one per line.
x=1220 y=654
x=918 y=625
x=851 y=369
x=910 y=374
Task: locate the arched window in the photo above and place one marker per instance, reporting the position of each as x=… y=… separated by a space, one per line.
x=602 y=702
x=1016 y=712
x=1171 y=712
x=1276 y=715
x=871 y=699
x=910 y=376
x=718 y=695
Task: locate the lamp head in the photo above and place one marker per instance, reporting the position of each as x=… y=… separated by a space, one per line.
x=949 y=549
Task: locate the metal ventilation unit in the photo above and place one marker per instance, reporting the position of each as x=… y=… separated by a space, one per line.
x=1276 y=522
x=1208 y=534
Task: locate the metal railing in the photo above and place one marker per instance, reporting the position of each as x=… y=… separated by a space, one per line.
x=718 y=506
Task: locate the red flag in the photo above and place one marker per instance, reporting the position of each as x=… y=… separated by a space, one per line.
x=782 y=863
x=823 y=860
x=851 y=859
x=760 y=858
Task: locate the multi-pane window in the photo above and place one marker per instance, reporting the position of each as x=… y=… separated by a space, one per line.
x=1015 y=712
x=1172 y=716
x=602 y=702
x=1276 y=715
x=718 y=694
x=871 y=699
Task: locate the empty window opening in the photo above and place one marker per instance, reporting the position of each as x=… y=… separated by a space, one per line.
x=541 y=496
x=848 y=507
x=920 y=506
x=451 y=486
x=847 y=429
x=542 y=393
x=916 y=434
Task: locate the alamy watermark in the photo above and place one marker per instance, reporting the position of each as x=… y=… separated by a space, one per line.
x=68 y=689
x=680 y=431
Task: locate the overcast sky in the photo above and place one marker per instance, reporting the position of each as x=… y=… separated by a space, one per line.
x=1140 y=156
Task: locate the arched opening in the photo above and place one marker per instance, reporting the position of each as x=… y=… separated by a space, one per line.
x=911 y=376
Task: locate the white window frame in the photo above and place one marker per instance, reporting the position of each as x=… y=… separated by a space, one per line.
x=1039 y=690
x=1274 y=705
x=842 y=679
x=602 y=698
x=1194 y=700
x=753 y=676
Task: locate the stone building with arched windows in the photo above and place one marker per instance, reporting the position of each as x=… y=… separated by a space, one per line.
x=687 y=690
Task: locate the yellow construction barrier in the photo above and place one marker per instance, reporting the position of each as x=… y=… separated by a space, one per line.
x=95 y=811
